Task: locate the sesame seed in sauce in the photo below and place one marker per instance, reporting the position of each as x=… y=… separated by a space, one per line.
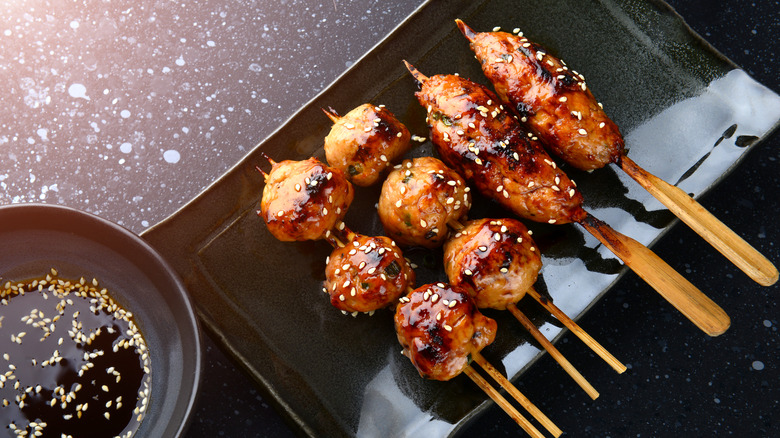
x=582 y=131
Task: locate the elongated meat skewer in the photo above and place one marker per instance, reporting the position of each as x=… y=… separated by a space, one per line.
x=476 y=137
x=557 y=104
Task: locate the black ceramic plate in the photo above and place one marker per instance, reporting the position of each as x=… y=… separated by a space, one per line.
x=37 y=238
x=688 y=116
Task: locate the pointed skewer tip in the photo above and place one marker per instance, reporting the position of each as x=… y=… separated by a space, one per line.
x=262 y=172
x=421 y=78
x=270 y=160
x=332 y=114
x=465 y=29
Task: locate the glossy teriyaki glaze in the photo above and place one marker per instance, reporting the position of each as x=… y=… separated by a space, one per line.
x=552 y=99
x=304 y=200
x=367 y=274
x=365 y=142
x=497 y=258
x=439 y=327
x=419 y=198
x=477 y=137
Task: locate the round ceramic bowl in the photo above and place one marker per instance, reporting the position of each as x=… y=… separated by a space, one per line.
x=35 y=238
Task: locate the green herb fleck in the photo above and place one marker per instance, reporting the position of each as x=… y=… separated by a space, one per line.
x=393 y=269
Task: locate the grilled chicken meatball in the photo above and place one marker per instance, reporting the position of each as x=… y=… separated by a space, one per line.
x=476 y=137
x=554 y=100
x=367 y=274
x=495 y=257
x=365 y=142
x=304 y=200
x=438 y=327
x=418 y=199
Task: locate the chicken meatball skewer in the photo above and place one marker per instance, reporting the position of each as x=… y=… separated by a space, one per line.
x=557 y=104
x=304 y=200
x=365 y=142
x=419 y=198
x=498 y=259
x=366 y=274
x=441 y=330
x=477 y=138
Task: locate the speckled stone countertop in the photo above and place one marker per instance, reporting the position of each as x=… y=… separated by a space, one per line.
x=129 y=109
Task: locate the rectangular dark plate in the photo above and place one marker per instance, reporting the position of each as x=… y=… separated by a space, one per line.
x=674 y=97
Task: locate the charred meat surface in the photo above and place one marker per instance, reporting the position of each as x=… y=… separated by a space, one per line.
x=554 y=100
x=303 y=200
x=367 y=274
x=364 y=142
x=495 y=257
x=418 y=199
x=439 y=327
x=475 y=136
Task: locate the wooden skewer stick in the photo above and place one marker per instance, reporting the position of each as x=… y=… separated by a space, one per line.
x=578 y=331
x=502 y=402
x=715 y=232
x=262 y=172
x=557 y=355
x=683 y=295
x=514 y=392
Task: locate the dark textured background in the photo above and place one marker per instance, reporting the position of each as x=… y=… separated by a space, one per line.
x=679 y=381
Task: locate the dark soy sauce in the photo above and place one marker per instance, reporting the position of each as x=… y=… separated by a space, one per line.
x=72 y=362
